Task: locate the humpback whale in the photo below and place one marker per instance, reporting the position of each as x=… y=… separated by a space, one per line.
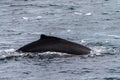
x=54 y=44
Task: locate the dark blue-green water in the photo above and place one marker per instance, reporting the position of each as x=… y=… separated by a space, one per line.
x=93 y=23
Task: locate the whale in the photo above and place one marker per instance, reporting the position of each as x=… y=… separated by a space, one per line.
x=54 y=44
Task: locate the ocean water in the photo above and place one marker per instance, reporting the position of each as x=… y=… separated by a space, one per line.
x=93 y=23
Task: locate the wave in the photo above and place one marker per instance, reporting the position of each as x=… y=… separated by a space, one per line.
x=98 y=49
x=12 y=54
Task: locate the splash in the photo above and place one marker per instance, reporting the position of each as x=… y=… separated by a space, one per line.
x=98 y=50
x=9 y=53
x=12 y=54
x=9 y=50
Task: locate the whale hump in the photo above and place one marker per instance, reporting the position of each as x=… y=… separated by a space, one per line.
x=54 y=44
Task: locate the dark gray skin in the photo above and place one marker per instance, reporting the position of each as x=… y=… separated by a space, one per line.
x=55 y=44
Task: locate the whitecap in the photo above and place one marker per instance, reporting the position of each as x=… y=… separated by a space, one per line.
x=38 y=17
x=78 y=13
x=25 y=18
x=68 y=30
x=88 y=14
x=115 y=36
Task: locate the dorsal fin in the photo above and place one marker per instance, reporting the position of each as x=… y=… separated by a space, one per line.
x=43 y=36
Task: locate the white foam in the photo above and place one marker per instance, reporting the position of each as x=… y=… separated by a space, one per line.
x=68 y=30
x=49 y=52
x=38 y=17
x=78 y=13
x=93 y=52
x=83 y=41
x=2 y=56
x=88 y=14
x=9 y=50
x=98 y=50
x=25 y=18
x=32 y=18
x=116 y=36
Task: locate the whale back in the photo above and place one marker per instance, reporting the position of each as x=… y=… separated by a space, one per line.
x=55 y=44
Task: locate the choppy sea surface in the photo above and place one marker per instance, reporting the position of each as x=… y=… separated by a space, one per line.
x=93 y=23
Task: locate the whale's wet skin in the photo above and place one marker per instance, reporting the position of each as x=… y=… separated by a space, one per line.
x=91 y=23
x=54 y=44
